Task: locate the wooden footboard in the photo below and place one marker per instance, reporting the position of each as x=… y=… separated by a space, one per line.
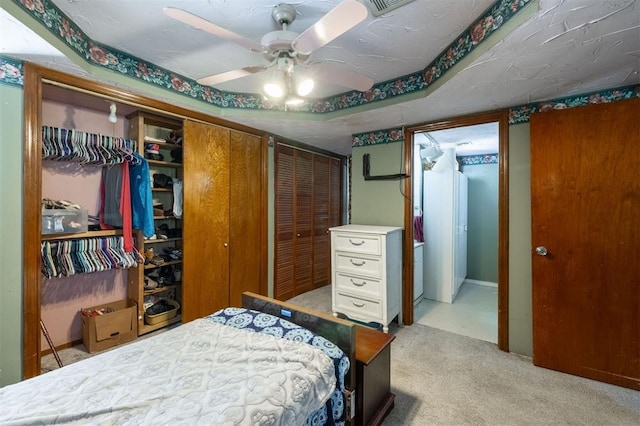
x=369 y=398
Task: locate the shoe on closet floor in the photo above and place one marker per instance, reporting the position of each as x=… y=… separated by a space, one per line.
x=151 y=257
x=163 y=231
x=150 y=284
x=173 y=253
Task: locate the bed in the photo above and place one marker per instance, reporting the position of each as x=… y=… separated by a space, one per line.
x=267 y=362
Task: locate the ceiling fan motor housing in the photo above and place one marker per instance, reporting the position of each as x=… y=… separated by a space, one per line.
x=278 y=40
x=281 y=41
x=284 y=14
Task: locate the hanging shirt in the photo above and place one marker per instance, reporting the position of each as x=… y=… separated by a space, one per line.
x=141 y=197
x=125 y=209
x=115 y=209
x=111 y=192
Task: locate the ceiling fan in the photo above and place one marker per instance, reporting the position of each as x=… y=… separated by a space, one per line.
x=284 y=49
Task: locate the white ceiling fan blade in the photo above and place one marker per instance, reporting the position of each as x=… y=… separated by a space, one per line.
x=204 y=25
x=336 y=74
x=338 y=21
x=229 y=75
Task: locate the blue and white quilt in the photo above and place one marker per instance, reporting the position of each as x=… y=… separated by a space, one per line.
x=201 y=372
x=333 y=412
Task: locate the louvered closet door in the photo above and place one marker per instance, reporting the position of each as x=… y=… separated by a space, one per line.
x=245 y=218
x=206 y=219
x=303 y=259
x=321 y=213
x=284 y=254
x=308 y=203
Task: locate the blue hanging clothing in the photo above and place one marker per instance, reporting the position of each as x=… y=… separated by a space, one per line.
x=141 y=196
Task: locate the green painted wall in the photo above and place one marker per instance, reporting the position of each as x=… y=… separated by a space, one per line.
x=520 y=321
x=382 y=202
x=482 y=235
x=377 y=202
x=11 y=119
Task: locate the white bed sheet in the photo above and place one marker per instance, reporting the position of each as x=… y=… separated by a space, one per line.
x=198 y=373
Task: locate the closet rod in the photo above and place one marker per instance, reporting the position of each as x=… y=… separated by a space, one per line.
x=110 y=98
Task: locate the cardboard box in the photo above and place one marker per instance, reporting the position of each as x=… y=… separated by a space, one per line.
x=111 y=329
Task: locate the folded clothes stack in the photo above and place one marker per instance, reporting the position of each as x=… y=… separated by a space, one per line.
x=59 y=204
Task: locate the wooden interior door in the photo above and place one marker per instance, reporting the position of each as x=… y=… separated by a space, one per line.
x=206 y=220
x=585 y=207
x=245 y=215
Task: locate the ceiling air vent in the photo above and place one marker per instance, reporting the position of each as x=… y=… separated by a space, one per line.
x=380 y=7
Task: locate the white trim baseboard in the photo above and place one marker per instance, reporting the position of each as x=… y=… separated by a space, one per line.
x=484 y=283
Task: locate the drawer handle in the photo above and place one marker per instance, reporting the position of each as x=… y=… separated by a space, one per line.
x=358 y=284
x=356 y=263
x=355 y=243
x=357 y=305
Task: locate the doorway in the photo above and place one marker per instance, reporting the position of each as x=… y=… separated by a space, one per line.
x=455 y=198
x=502 y=289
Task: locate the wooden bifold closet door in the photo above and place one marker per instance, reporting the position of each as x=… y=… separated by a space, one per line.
x=308 y=203
x=223 y=223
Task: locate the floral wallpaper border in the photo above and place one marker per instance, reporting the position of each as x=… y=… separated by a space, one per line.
x=47 y=13
x=378 y=137
x=517 y=115
x=11 y=71
x=521 y=114
x=475 y=160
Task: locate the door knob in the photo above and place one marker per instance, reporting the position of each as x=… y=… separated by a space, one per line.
x=541 y=251
x=226 y=245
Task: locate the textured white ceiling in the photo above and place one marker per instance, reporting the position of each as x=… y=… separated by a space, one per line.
x=567 y=47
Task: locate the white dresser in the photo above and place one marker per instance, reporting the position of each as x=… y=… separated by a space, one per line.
x=366 y=267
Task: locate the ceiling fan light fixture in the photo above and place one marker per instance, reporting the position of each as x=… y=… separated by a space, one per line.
x=274 y=90
x=305 y=86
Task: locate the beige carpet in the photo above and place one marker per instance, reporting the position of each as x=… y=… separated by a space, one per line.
x=441 y=378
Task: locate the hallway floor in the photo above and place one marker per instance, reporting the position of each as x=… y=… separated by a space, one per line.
x=474 y=313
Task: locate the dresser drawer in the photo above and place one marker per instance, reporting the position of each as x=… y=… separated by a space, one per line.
x=366 y=286
x=355 y=243
x=357 y=307
x=358 y=265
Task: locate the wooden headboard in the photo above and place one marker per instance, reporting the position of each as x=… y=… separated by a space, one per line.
x=342 y=333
